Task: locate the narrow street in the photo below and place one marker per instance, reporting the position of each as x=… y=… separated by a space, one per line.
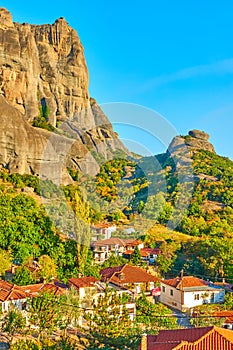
x=182 y=318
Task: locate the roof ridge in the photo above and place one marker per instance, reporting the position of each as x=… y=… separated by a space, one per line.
x=222 y=332
x=124 y=244
x=209 y=332
x=116 y=272
x=181 y=344
x=10 y=291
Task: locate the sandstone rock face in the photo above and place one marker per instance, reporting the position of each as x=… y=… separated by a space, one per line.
x=28 y=150
x=188 y=145
x=44 y=65
x=44 y=61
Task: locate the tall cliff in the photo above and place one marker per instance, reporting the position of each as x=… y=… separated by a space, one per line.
x=43 y=66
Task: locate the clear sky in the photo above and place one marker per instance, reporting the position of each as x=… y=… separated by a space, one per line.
x=174 y=57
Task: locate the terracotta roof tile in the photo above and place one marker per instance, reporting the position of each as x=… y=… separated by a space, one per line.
x=132 y=241
x=82 y=282
x=204 y=338
x=32 y=288
x=227 y=315
x=9 y=291
x=35 y=289
x=186 y=282
x=127 y=274
x=144 y=252
x=102 y=225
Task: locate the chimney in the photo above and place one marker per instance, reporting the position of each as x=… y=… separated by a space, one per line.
x=144 y=342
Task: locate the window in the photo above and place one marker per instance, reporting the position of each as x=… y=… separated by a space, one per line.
x=163 y=289
x=196 y=297
x=171 y=292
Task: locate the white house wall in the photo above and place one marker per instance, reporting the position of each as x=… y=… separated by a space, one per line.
x=168 y=299
x=182 y=300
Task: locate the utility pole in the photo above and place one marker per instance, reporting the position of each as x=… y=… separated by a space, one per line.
x=181 y=287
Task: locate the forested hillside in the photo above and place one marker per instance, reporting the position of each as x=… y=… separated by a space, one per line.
x=37 y=218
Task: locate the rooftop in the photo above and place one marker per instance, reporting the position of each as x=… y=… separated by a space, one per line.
x=127 y=274
x=56 y=288
x=83 y=282
x=102 y=225
x=189 y=283
x=204 y=338
x=9 y=291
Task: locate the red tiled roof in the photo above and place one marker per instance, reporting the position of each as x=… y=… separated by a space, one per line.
x=103 y=225
x=119 y=241
x=5 y=285
x=185 y=282
x=83 y=282
x=35 y=289
x=53 y=288
x=152 y=250
x=144 y=252
x=205 y=338
x=132 y=242
x=9 y=291
x=129 y=252
x=130 y=274
x=227 y=315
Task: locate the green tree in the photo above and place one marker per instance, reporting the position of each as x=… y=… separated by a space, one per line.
x=114 y=260
x=136 y=256
x=23 y=276
x=109 y=324
x=5 y=261
x=228 y=304
x=48 y=268
x=154 y=316
x=166 y=259
x=45 y=313
x=70 y=304
x=154 y=206
x=13 y=322
x=82 y=230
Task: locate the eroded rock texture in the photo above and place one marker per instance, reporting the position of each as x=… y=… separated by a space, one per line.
x=44 y=65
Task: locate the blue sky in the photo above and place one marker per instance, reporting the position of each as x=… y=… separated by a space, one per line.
x=174 y=57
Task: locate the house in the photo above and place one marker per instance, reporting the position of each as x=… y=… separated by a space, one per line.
x=134 y=278
x=147 y=254
x=33 y=267
x=131 y=244
x=10 y=294
x=227 y=317
x=186 y=292
x=90 y=289
x=103 y=249
x=85 y=286
x=102 y=231
x=203 y=338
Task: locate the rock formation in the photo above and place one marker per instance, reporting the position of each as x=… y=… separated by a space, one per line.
x=186 y=146
x=44 y=66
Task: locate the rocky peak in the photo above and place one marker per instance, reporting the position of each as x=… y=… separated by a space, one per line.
x=197 y=134
x=43 y=62
x=186 y=146
x=42 y=67
x=5 y=19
